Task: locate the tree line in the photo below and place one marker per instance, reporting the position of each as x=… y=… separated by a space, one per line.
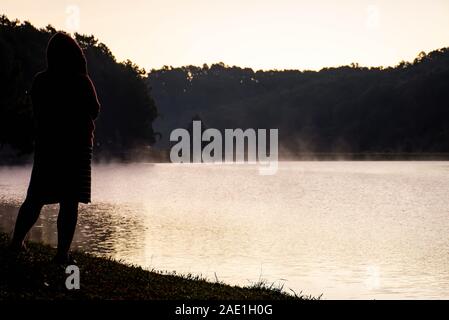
x=347 y=109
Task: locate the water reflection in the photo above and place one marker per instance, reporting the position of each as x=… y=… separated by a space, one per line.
x=103 y=229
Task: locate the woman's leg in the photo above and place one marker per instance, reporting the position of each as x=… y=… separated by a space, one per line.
x=28 y=214
x=68 y=215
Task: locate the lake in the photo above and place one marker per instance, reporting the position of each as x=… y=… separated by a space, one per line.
x=348 y=230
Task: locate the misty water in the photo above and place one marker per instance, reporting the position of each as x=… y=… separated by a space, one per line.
x=343 y=229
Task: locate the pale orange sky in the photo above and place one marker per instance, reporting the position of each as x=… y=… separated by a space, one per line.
x=281 y=34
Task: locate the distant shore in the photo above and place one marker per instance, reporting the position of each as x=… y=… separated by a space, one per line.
x=163 y=156
x=32 y=276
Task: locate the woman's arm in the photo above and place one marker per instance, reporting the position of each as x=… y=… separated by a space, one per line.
x=91 y=99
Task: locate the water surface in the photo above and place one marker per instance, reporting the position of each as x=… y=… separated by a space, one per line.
x=344 y=229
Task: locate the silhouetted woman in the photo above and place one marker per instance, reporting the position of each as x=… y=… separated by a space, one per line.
x=65 y=106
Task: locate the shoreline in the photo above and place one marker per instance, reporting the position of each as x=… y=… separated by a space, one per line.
x=32 y=276
x=163 y=156
x=381 y=157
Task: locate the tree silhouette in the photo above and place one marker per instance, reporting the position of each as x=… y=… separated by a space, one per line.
x=128 y=109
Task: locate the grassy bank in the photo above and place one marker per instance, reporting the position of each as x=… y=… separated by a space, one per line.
x=32 y=275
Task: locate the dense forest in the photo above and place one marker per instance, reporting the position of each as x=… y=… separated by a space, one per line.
x=349 y=109
x=127 y=110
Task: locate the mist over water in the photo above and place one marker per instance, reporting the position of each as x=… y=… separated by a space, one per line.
x=344 y=229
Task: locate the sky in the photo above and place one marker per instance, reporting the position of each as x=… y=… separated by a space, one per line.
x=276 y=34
